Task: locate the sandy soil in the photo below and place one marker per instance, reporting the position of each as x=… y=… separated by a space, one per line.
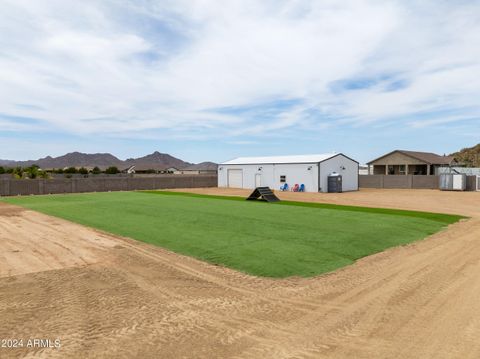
x=105 y=296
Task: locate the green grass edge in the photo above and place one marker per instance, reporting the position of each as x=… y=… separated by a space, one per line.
x=439 y=217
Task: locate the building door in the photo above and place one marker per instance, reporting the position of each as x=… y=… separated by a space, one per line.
x=258 y=180
x=235 y=178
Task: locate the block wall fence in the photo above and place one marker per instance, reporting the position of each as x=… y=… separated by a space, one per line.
x=406 y=181
x=14 y=187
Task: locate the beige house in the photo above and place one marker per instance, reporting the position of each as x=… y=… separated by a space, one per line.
x=401 y=162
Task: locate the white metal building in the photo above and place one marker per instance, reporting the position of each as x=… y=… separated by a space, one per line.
x=273 y=172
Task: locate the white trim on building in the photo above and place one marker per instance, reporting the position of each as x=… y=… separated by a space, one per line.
x=274 y=171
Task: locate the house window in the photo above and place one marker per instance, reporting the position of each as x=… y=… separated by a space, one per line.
x=401 y=169
x=391 y=170
x=283 y=179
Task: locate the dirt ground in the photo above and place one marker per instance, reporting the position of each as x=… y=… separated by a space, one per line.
x=105 y=296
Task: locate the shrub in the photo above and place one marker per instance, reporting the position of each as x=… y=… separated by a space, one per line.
x=17 y=172
x=32 y=171
x=112 y=170
x=43 y=174
x=70 y=170
x=83 y=171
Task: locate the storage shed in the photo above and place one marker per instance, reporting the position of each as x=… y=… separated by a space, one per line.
x=310 y=170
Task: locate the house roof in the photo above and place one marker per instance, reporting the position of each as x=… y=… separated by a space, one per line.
x=281 y=159
x=204 y=166
x=427 y=157
x=146 y=167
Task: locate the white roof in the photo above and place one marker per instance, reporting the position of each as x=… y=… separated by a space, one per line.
x=280 y=159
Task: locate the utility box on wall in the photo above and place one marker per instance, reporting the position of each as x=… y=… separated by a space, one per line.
x=334 y=183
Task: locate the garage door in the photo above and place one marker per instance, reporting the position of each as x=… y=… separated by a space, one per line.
x=235 y=178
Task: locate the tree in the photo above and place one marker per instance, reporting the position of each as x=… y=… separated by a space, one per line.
x=44 y=175
x=83 y=171
x=112 y=170
x=2 y=170
x=17 y=172
x=96 y=170
x=32 y=171
x=70 y=170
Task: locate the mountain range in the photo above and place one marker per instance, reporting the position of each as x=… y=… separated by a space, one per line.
x=160 y=161
x=155 y=161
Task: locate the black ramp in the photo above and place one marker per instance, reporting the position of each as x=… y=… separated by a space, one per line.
x=263 y=193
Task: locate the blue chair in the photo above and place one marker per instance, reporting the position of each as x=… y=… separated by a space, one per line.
x=301 y=188
x=284 y=187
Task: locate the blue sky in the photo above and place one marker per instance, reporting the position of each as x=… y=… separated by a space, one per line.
x=208 y=80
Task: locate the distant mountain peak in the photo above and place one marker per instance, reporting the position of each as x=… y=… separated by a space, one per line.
x=155 y=161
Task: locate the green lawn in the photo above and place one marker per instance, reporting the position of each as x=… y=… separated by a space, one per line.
x=273 y=240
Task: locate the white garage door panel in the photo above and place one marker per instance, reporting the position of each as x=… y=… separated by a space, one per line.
x=235 y=178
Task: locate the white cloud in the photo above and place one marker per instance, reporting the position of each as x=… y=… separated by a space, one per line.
x=87 y=67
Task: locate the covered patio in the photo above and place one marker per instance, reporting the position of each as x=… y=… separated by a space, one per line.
x=401 y=162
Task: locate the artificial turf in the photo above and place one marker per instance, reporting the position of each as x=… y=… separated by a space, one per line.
x=274 y=240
